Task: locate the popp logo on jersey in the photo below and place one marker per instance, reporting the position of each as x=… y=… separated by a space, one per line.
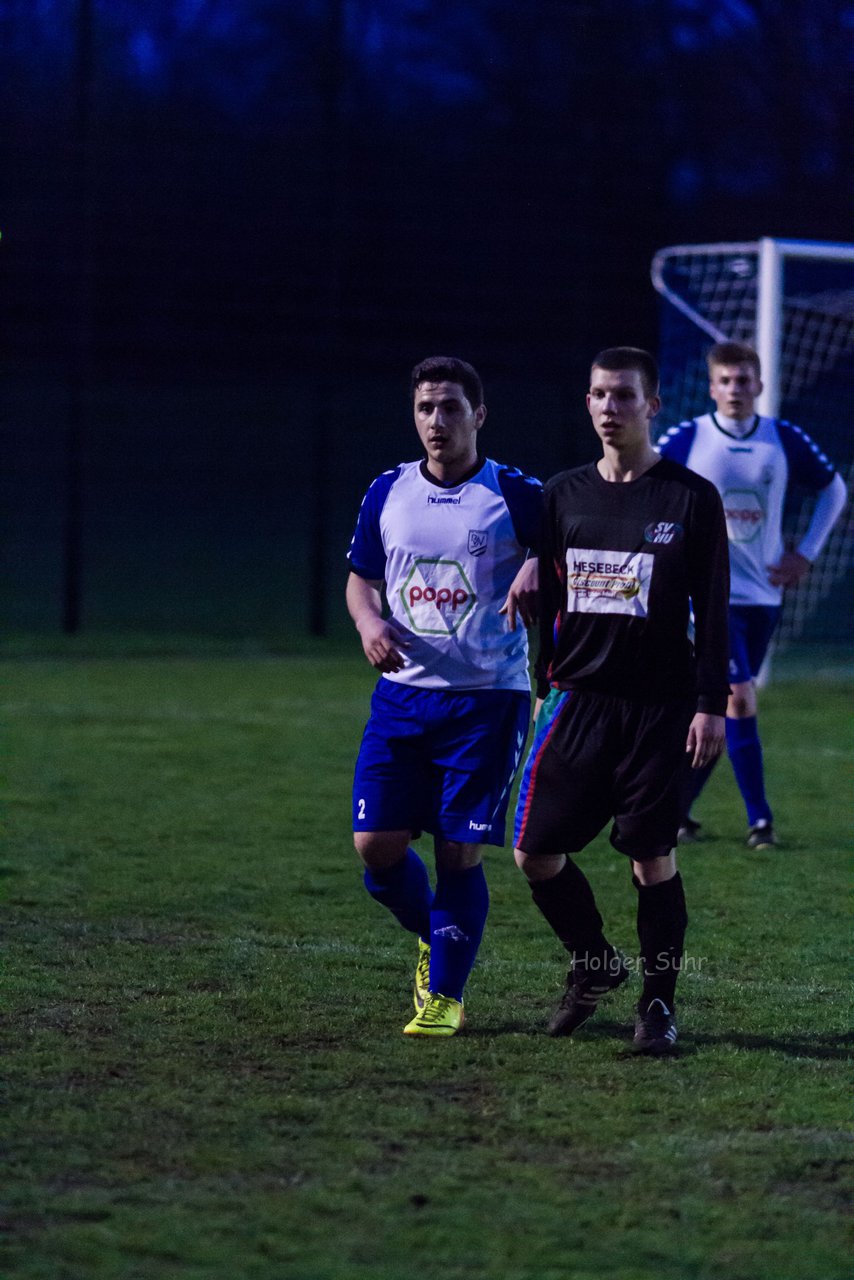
x=744 y=513
x=437 y=597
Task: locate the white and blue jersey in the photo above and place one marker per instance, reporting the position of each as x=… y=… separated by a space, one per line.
x=448 y=555
x=752 y=473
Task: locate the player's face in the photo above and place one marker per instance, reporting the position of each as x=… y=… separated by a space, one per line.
x=620 y=408
x=447 y=427
x=734 y=388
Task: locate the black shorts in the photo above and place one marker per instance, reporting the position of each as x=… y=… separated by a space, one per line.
x=594 y=758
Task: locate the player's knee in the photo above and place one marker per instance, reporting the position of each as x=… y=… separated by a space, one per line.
x=523 y=861
x=655 y=870
x=742 y=702
x=538 y=866
x=453 y=855
x=380 y=849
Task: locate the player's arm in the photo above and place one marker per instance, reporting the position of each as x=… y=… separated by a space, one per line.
x=524 y=497
x=522 y=596
x=706 y=739
x=382 y=639
x=549 y=600
x=794 y=564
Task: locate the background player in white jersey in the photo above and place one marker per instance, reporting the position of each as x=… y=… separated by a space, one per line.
x=752 y=461
x=628 y=542
x=448 y=538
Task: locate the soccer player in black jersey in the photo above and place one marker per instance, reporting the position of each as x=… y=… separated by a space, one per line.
x=626 y=700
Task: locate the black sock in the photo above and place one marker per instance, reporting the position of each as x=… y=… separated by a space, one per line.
x=662 y=920
x=568 y=905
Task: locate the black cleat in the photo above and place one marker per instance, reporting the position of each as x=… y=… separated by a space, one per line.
x=584 y=990
x=689 y=832
x=761 y=836
x=655 y=1029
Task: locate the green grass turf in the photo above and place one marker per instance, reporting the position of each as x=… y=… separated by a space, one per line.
x=206 y=1076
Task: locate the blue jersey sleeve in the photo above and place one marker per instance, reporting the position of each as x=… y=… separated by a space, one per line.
x=367 y=554
x=808 y=466
x=524 y=497
x=676 y=442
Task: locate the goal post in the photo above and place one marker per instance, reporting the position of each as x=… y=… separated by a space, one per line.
x=770 y=303
x=793 y=300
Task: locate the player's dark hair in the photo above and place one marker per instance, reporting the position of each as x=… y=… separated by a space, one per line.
x=617 y=359
x=448 y=369
x=733 y=353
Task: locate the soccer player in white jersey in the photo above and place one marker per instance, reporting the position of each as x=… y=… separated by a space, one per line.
x=447 y=537
x=752 y=461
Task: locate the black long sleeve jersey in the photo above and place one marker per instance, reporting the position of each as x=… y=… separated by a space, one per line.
x=621 y=567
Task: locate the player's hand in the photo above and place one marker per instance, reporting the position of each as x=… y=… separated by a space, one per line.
x=522 y=596
x=382 y=641
x=706 y=739
x=791 y=569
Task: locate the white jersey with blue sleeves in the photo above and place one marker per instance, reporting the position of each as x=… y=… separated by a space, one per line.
x=751 y=472
x=448 y=556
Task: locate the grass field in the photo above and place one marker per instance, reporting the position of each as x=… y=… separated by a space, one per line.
x=206 y=1076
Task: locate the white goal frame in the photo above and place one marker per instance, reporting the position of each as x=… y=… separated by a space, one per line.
x=772 y=255
x=767 y=327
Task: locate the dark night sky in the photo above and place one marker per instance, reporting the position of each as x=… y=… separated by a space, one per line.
x=260 y=179
x=293 y=203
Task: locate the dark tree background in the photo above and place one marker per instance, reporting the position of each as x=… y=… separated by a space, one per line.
x=229 y=229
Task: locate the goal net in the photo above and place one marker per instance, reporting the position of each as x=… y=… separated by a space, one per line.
x=794 y=301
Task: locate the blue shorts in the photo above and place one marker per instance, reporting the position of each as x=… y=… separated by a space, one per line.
x=751 y=627
x=439 y=760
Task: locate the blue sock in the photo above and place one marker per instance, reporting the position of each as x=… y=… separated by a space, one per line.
x=745 y=752
x=457 y=920
x=405 y=890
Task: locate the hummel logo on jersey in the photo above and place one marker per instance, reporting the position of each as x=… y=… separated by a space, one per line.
x=664 y=531
x=436 y=500
x=477 y=541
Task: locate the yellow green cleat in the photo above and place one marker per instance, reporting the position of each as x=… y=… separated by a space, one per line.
x=441 y=1016
x=421 y=990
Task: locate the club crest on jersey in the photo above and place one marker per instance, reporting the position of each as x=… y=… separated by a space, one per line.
x=477 y=542
x=437 y=597
x=662 y=532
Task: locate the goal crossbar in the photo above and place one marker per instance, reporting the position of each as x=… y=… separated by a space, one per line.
x=771 y=255
x=793 y=301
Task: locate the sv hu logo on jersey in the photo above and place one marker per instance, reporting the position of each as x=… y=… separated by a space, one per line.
x=663 y=532
x=477 y=541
